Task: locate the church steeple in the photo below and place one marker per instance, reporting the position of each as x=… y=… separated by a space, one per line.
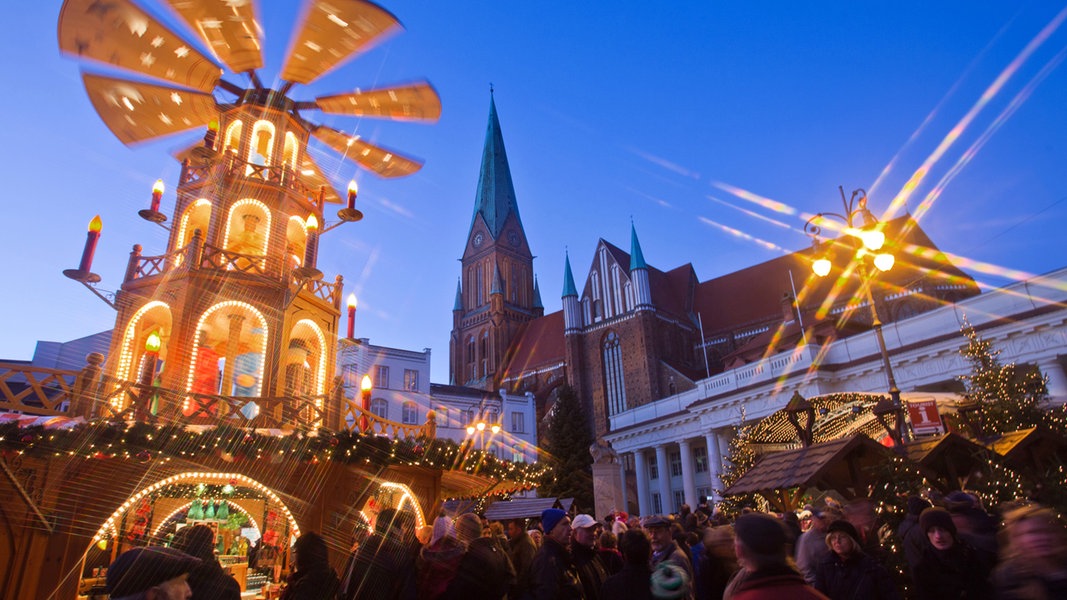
x=497 y=293
x=572 y=318
x=639 y=273
x=495 y=198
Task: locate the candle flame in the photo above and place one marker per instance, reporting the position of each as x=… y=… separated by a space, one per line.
x=157 y=188
x=96 y=224
x=365 y=384
x=352 y=301
x=153 y=343
x=213 y=125
x=353 y=187
x=312 y=223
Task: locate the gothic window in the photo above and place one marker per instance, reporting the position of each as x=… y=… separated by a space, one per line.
x=470 y=358
x=513 y=289
x=587 y=311
x=480 y=294
x=614 y=380
x=484 y=353
x=410 y=414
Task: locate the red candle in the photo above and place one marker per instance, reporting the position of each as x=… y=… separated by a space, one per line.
x=90 y=244
x=157 y=195
x=351 y=316
x=365 y=387
x=309 y=248
x=353 y=189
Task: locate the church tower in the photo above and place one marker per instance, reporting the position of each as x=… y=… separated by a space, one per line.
x=496 y=294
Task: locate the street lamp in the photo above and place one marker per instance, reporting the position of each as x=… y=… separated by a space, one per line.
x=862 y=224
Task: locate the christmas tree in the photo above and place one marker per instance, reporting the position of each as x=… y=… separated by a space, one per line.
x=567 y=439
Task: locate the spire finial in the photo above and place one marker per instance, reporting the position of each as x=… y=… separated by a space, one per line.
x=490 y=88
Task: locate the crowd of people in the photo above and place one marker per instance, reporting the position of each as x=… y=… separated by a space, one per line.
x=955 y=549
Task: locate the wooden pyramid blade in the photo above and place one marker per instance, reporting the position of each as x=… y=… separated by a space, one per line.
x=414 y=102
x=332 y=32
x=312 y=177
x=228 y=28
x=118 y=33
x=369 y=156
x=136 y=112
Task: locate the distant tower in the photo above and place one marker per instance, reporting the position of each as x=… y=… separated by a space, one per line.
x=497 y=293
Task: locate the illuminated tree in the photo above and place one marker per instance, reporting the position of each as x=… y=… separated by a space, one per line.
x=567 y=440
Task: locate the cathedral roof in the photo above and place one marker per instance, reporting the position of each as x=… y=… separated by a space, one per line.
x=538 y=344
x=495 y=198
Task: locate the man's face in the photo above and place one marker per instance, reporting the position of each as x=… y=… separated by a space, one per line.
x=562 y=531
x=661 y=537
x=585 y=536
x=513 y=529
x=940 y=538
x=172 y=589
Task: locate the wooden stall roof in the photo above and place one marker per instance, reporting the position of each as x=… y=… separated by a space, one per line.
x=1029 y=448
x=524 y=508
x=839 y=464
x=950 y=458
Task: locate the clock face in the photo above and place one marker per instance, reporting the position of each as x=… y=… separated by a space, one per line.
x=478 y=239
x=513 y=238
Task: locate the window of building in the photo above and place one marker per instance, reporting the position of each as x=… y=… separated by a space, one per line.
x=350 y=375
x=653 y=468
x=380 y=407
x=704 y=494
x=679 y=500
x=700 y=459
x=517 y=455
x=675 y=460
x=442 y=416
x=657 y=503
x=613 y=375
x=518 y=422
x=410 y=414
x=411 y=380
x=381 y=380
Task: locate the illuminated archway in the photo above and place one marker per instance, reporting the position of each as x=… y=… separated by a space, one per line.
x=261 y=145
x=310 y=333
x=233 y=136
x=399 y=496
x=236 y=332
x=290 y=150
x=248 y=228
x=296 y=235
x=153 y=317
x=196 y=216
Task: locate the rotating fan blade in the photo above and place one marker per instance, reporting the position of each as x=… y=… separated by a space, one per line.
x=374 y=158
x=332 y=32
x=229 y=29
x=136 y=112
x=118 y=33
x=415 y=102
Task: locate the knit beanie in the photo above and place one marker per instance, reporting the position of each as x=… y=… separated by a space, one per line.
x=937 y=517
x=843 y=526
x=551 y=517
x=761 y=533
x=669 y=581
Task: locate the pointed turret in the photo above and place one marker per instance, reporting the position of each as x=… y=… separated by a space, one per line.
x=459 y=296
x=639 y=273
x=498 y=282
x=537 y=295
x=495 y=199
x=572 y=316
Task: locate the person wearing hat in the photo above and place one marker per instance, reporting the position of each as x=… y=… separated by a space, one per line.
x=592 y=571
x=151 y=573
x=552 y=574
x=911 y=536
x=208 y=581
x=850 y=573
x=633 y=582
x=664 y=548
x=766 y=574
x=313 y=578
x=949 y=568
x=811 y=545
x=521 y=550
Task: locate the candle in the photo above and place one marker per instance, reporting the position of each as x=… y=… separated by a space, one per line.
x=353 y=189
x=90 y=244
x=309 y=249
x=365 y=387
x=157 y=195
x=351 y=316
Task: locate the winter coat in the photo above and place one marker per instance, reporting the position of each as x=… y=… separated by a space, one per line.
x=315 y=584
x=552 y=575
x=859 y=577
x=775 y=583
x=436 y=567
x=811 y=549
x=383 y=570
x=210 y=582
x=954 y=573
x=631 y=583
x=591 y=570
x=485 y=572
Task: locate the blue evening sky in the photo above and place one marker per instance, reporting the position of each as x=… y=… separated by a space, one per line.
x=611 y=111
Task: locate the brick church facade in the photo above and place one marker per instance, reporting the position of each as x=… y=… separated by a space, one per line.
x=634 y=334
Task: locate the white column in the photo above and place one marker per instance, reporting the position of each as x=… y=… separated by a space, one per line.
x=689 y=489
x=1057 y=380
x=641 y=473
x=664 y=478
x=714 y=464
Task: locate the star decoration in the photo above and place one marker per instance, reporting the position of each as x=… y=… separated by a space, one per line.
x=157 y=41
x=181 y=52
x=147 y=59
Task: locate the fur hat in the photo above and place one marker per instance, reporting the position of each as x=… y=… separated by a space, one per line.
x=550 y=517
x=937 y=517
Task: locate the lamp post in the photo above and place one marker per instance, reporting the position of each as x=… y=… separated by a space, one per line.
x=862 y=224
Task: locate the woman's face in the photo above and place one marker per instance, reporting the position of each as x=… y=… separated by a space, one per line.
x=841 y=544
x=940 y=538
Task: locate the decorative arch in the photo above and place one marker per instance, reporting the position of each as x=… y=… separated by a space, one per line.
x=219 y=337
x=196 y=216
x=309 y=331
x=232 y=141
x=185 y=508
x=296 y=236
x=291 y=150
x=261 y=145
x=154 y=316
x=248 y=227
x=110 y=526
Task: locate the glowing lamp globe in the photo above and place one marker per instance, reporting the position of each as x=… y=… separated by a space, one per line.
x=481 y=425
x=470 y=430
x=821 y=267
x=872 y=239
x=884 y=261
x=495 y=429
